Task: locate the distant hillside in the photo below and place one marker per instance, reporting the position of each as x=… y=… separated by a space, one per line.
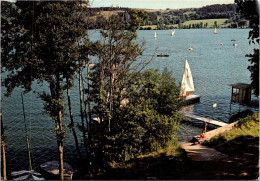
x=178 y=18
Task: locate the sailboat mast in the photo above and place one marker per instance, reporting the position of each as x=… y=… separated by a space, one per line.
x=27 y=136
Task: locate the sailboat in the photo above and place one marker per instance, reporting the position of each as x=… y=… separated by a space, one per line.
x=173 y=32
x=50 y=169
x=187 y=85
x=29 y=174
x=215 y=31
x=155 y=36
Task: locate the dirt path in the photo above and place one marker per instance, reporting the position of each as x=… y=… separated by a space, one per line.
x=208 y=164
x=202 y=153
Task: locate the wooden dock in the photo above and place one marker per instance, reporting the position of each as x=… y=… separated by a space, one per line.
x=189 y=117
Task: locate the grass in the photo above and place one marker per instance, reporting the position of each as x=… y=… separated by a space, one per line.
x=243 y=138
x=220 y=22
x=161 y=164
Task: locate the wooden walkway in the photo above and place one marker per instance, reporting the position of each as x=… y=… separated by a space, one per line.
x=189 y=117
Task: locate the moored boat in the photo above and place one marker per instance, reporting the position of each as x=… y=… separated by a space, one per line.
x=163 y=55
x=26 y=175
x=29 y=174
x=187 y=85
x=50 y=170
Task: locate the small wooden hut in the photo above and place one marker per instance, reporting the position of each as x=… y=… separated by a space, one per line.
x=241 y=93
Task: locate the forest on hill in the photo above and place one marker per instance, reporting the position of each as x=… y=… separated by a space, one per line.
x=175 y=18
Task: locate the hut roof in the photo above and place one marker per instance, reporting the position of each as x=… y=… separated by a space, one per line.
x=240 y=85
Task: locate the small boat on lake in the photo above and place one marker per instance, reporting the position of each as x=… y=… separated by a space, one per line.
x=221 y=44
x=26 y=175
x=173 y=32
x=235 y=44
x=50 y=170
x=233 y=40
x=191 y=48
x=215 y=31
x=155 y=36
x=162 y=55
x=187 y=85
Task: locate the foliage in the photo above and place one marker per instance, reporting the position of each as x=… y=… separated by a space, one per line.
x=162 y=18
x=110 y=78
x=250 y=9
x=41 y=43
x=150 y=120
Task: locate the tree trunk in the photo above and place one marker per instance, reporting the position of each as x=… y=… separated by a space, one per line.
x=81 y=114
x=59 y=130
x=111 y=94
x=84 y=100
x=60 y=147
x=3 y=148
x=72 y=121
x=88 y=107
x=4 y=161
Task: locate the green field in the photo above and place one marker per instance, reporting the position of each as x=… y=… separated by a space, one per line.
x=220 y=22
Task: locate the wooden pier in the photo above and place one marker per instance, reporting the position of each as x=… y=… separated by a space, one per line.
x=189 y=117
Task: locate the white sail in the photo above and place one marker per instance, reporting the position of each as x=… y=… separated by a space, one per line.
x=187 y=80
x=173 y=32
x=155 y=36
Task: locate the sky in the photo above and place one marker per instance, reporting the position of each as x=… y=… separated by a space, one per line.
x=157 y=4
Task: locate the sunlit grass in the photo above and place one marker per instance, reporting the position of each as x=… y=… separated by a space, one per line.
x=244 y=137
x=220 y=22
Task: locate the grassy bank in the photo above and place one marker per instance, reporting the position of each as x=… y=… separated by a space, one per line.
x=161 y=164
x=243 y=138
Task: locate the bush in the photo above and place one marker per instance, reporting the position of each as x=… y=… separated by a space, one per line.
x=149 y=121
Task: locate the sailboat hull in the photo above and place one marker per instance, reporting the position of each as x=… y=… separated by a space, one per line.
x=192 y=99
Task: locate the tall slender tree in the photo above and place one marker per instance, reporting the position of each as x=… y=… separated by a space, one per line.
x=117 y=56
x=41 y=45
x=250 y=9
x=3 y=147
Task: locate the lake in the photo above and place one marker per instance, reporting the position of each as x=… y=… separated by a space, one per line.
x=214 y=68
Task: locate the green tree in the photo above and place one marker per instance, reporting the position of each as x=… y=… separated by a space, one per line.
x=116 y=52
x=215 y=23
x=250 y=9
x=42 y=45
x=201 y=25
x=151 y=118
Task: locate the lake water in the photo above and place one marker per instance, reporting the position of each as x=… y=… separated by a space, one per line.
x=214 y=68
